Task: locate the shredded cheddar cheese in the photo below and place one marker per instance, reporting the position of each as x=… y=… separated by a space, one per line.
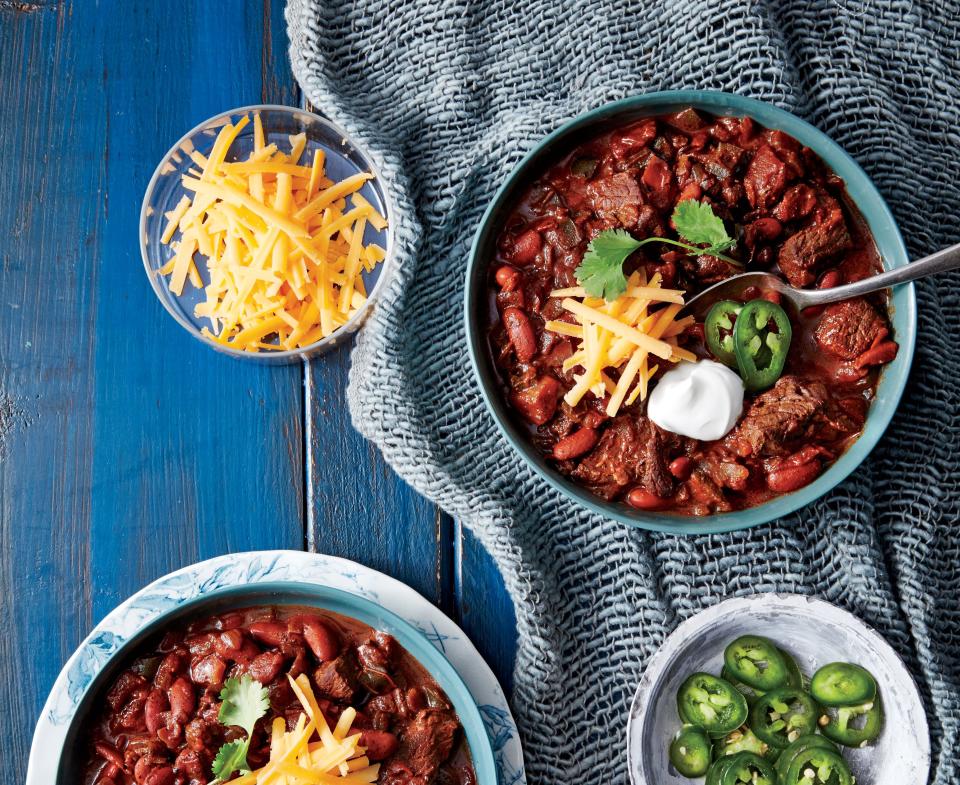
x=312 y=753
x=622 y=336
x=282 y=250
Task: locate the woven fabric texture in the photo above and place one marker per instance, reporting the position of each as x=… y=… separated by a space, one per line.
x=449 y=96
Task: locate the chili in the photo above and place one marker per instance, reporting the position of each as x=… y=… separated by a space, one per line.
x=843 y=684
x=747 y=767
x=712 y=703
x=718 y=330
x=756 y=661
x=782 y=715
x=854 y=726
x=690 y=751
x=795 y=748
x=827 y=766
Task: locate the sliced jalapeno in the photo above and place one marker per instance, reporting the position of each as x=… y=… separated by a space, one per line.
x=818 y=766
x=746 y=690
x=756 y=661
x=743 y=740
x=787 y=757
x=746 y=767
x=843 y=684
x=854 y=726
x=794 y=674
x=712 y=703
x=690 y=751
x=718 y=769
x=781 y=716
x=761 y=340
x=718 y=330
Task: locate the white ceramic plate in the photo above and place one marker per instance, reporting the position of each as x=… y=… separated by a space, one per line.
x=815 y=633
x=264 y=567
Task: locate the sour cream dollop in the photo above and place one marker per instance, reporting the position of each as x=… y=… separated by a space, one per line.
x=702 y=400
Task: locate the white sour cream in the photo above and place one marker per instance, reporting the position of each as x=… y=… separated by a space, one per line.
x=702 y=400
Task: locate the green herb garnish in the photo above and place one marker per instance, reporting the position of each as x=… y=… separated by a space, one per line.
x=244 y=702
x=601 y=271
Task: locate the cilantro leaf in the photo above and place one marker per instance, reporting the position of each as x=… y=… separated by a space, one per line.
x=601 y=271
x=698 y=224
x=231 y=757
x=244 y=701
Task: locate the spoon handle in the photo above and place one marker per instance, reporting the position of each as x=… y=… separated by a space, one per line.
x=939 y=262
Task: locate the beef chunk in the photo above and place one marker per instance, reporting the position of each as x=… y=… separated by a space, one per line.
x=847 y=329
x=538 y=401
x=821 y=239
x=797 y=203
x=658 y=180
x=708 y=269
x=337 y=679
x=617 y=199
x=630 y=450
x=766 y=178
x=426 y=742
x=778 y=417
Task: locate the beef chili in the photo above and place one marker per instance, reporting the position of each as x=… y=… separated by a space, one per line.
x=160 y=722
x=785 y=213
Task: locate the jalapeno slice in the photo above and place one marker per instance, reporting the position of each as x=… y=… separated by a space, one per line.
x=794 y=674
x=818 y=766
x=843 y=684
x=743 y=740
x=756 y=662
x=783 y=715
x=718 y=330
x=761 y=340
x=690 y=751
x=712 y=703
x=782 y=766
x=746 y=767
x=854 y=726
x=746 y=690
x=718 y=769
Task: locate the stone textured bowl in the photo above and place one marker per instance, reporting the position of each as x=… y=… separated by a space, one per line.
x=815 y=633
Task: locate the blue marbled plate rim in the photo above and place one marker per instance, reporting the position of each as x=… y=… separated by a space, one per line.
x=218 y=575
x=861 y=191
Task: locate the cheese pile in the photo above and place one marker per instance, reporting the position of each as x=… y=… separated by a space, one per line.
x=621 y=335
x=334 y=758
x=283 y=251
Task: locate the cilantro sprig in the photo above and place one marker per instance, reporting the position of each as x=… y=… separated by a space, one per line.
x=601 y=271
x=244 y=701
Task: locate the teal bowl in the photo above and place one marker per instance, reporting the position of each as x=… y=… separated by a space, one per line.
x=225 y=598
x=860 y=190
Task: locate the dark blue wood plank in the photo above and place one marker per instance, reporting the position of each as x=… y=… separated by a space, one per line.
x=128 y=449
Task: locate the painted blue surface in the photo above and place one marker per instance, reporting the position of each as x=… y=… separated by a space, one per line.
x=127 y=449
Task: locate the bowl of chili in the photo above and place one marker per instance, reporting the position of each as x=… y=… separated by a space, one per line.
x=93 y=720
x=537 y=445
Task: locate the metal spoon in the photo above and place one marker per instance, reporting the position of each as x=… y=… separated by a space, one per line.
x=730 y=289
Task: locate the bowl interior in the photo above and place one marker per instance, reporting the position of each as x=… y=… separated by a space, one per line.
x=73 y=758
x=815 y=633
x=862 y=193
x=342 y=159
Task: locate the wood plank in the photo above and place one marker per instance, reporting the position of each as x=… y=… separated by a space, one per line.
x=358 y=508
x=129 y=449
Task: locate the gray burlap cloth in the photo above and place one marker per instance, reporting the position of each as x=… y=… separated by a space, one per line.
x=449 y=96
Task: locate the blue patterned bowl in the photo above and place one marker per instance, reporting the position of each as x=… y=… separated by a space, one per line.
x=861 y=191
x=243 y=580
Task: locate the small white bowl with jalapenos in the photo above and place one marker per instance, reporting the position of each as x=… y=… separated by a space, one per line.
x=777 y=689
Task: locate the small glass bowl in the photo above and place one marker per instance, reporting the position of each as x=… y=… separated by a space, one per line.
x=343 y=158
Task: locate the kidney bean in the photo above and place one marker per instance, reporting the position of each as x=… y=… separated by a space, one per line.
x=322 y=640
x=830 y=279
x=108 y=753
x=878 y=355
x=643 y=499
x=380 y=744
x=786 y=478
x=521 y=334
x=182 y=699
x=153 y=710
x=167 y=670
x=171 y=735
x=228 y=643
x=575 y=444
x=208 y=671
x=681 y=467
x=526 y=247
x=266 y=667
x=269 y=632
x=508 y=278
x=161 y=776
x=767 y=228
x=771 y=296
x=190 y=764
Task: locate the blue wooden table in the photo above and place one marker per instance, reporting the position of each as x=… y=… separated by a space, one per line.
x=128 y=449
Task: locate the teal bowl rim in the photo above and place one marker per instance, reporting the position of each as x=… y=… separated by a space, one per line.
x=862 y=193
x=329 y=599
